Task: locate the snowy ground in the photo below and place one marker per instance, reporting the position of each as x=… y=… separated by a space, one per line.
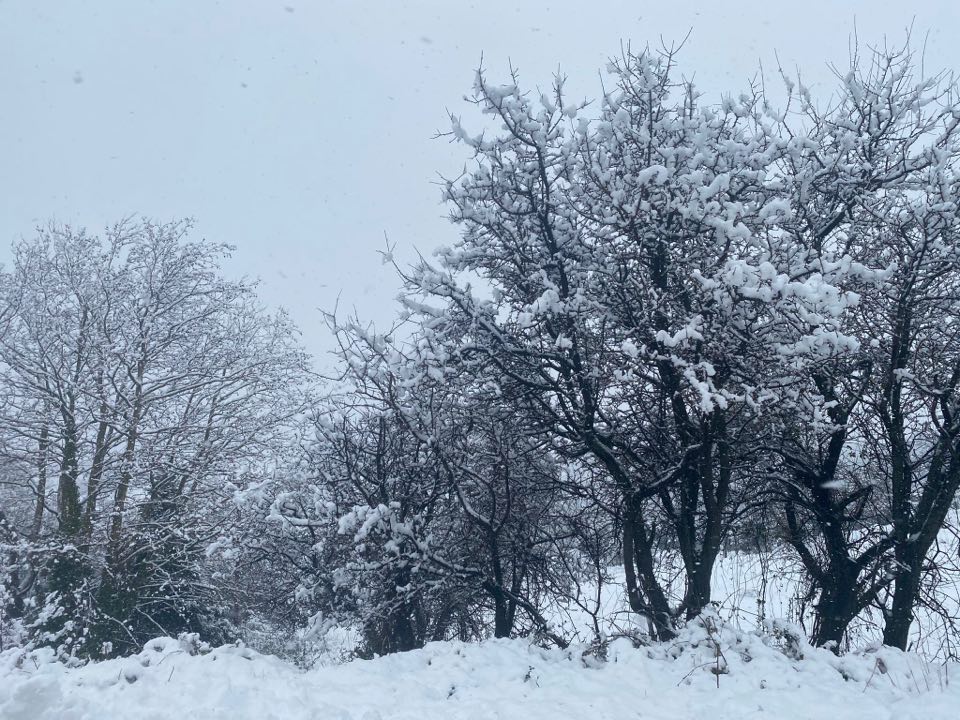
x=750 y=589
x=759 y=675
x=496 y=679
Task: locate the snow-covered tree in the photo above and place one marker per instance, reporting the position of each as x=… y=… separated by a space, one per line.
x=442 y=502
x=872 y=444
x=637 y=281
x=141 y=388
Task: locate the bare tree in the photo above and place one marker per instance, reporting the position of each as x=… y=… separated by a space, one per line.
x=873 y=457
x=134 y=371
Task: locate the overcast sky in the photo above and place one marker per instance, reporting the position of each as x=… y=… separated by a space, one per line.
x=302 y=132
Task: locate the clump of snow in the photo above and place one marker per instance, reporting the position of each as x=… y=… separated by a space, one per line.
x=712 y=670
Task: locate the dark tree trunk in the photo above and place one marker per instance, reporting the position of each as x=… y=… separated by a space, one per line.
x=896 y=627
x=838 y=606
x=502 y=617
x=698 y=592
x=43 y=446
x=645 y=595
x=68 y=491
x=96 y=473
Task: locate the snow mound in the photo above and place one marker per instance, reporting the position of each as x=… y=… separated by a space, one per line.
x=708 y=672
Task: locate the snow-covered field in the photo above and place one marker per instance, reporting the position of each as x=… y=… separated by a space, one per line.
x=706 y=673
x=750 y=589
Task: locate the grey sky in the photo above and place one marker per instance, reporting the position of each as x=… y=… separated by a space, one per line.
x=302 y=131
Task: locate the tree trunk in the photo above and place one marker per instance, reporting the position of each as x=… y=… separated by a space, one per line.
x=96 y=471
x=41 y=483
x=641 y=579
x=699 y=578
x=897 y=622
x=836 y=610
x=129 y=454
x=68 y=492
x=917 y=526
x=502 y=622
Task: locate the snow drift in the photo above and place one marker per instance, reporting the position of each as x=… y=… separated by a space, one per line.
x=709 y=672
